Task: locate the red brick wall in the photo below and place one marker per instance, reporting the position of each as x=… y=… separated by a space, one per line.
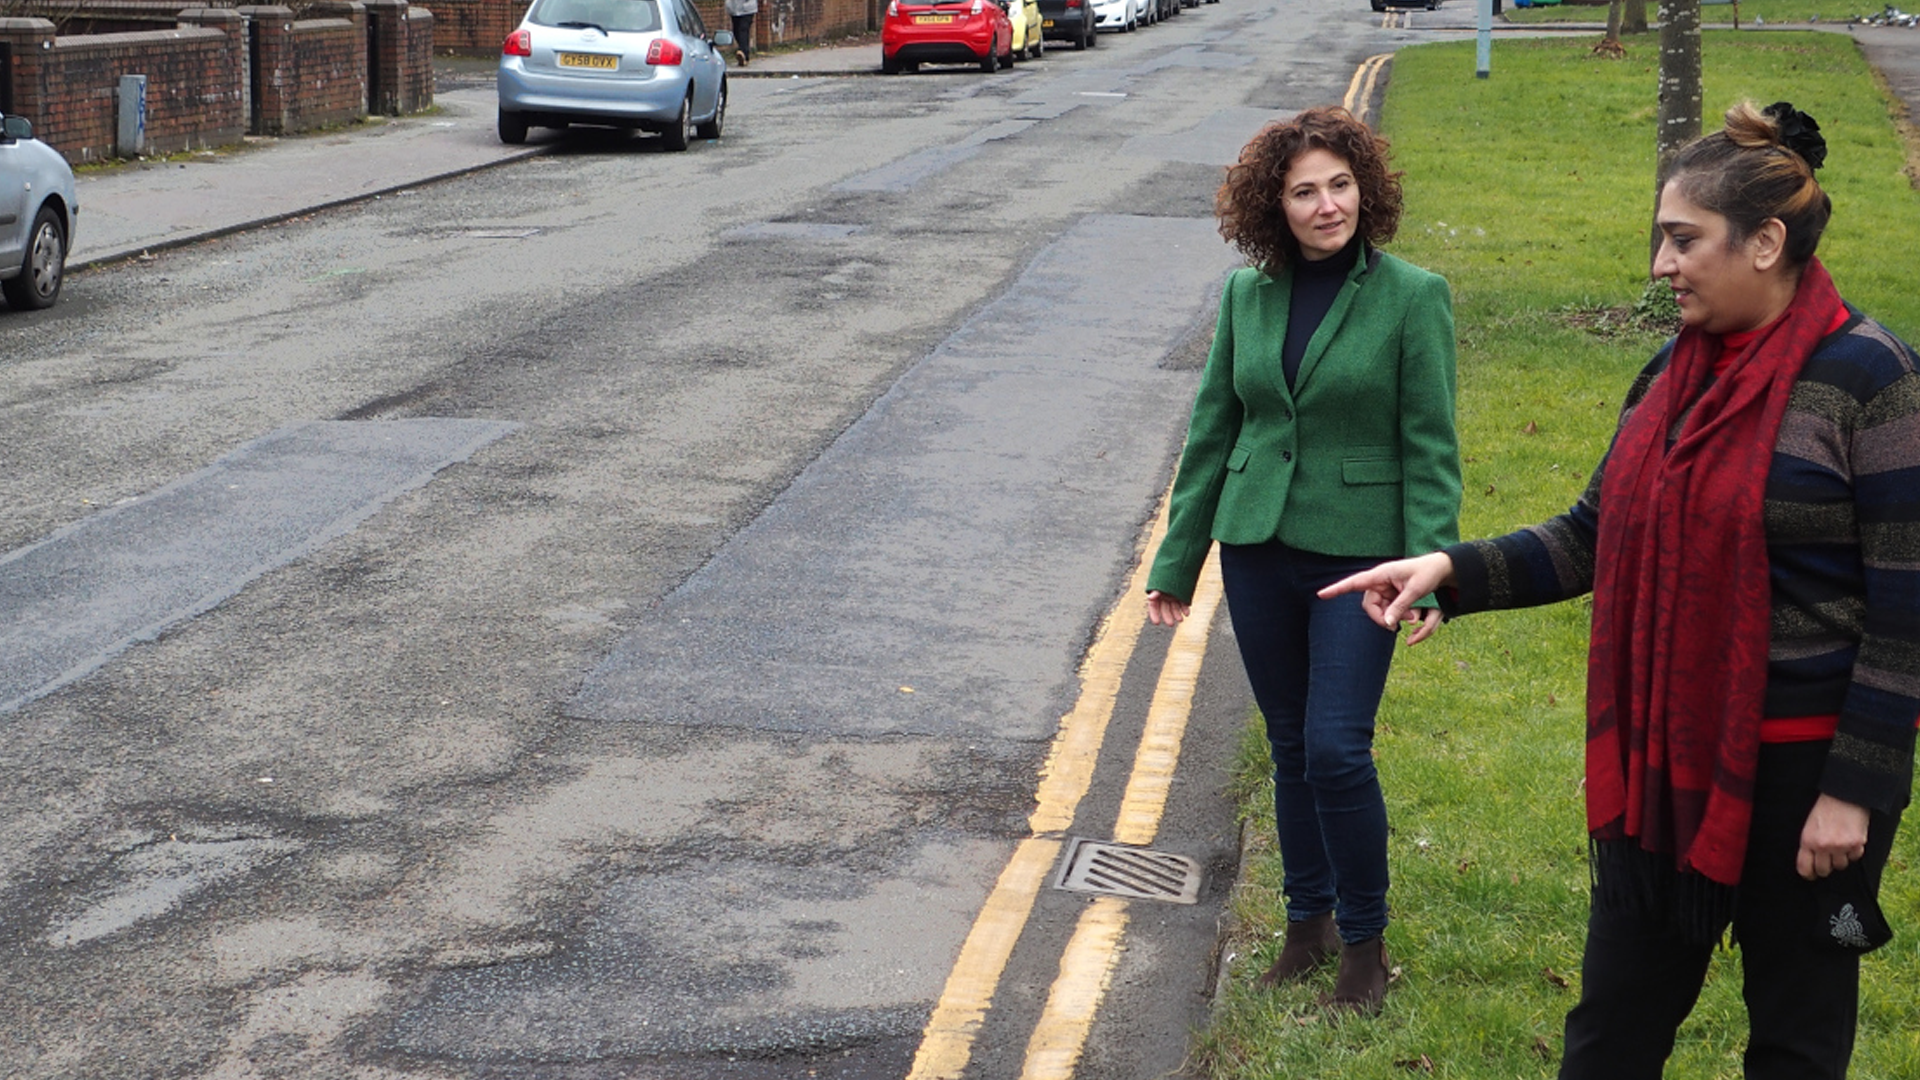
x=479 y=26
x=307 y=74
x=195 y=93
x=474 y=26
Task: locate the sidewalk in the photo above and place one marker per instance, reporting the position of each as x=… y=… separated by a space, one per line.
x=149 y=207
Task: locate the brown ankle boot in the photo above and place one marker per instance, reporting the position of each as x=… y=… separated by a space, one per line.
x=1361 y=984
x=1310 y=943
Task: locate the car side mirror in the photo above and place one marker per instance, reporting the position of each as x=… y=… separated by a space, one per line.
x=723 y=39
x=19 y=127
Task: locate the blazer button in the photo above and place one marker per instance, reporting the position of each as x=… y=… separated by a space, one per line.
x=1286 y=455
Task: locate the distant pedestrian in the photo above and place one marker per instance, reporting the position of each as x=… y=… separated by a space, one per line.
x=742 y=13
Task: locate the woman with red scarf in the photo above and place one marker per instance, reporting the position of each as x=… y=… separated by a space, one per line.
x=1752 y=543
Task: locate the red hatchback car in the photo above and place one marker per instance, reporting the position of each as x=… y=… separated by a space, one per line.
x=945 y=32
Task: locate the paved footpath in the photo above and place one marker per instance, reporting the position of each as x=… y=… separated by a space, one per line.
x=149 y=206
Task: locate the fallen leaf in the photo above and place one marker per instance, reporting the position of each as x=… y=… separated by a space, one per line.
x=906 y=689
x=1542 y=1047
x=1552 y=701
x=1489 y=489
x=1531 y=429
x=1555 y=978
x=1423 y=1063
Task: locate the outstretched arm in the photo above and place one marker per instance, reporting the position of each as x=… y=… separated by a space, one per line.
x=1390 y=590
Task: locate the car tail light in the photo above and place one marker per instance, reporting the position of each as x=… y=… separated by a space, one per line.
x=978 y=6
x=893 y=9
x=1073 y=3
x=664 y=52
x=519 y=43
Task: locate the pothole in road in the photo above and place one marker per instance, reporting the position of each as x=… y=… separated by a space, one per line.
x=156 y=877
x=1132 y=872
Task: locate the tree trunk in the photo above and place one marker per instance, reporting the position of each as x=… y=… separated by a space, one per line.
x=1636 y=16
x=1613 y=19
x=1679 y=114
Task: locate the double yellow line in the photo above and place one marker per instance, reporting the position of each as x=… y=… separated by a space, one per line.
x=1087 y=964
x=1359 y=99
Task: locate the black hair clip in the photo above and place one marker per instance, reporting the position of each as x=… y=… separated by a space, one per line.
x=1799 y=132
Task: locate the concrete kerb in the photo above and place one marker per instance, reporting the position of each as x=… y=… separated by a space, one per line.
x=215 y=232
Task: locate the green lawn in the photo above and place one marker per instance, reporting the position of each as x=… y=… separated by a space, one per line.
x=1769 y=11
x=1531 y=192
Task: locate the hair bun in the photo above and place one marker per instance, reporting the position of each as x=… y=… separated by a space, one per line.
x=1799 y=132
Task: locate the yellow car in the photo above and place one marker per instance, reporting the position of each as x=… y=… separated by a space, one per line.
x=1025 y=16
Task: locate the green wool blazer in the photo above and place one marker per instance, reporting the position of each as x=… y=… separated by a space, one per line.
x=1359 y=458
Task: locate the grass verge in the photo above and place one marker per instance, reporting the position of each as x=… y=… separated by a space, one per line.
x=1531 y=192
x=1771 y=12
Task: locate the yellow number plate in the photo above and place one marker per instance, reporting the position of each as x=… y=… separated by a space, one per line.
x=927 y=20
x=1046 y=24
x=589 y=60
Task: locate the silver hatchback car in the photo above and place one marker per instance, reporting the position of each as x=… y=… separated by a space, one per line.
x=37 y=211
x=646 y=64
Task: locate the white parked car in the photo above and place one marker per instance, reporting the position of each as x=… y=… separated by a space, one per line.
x=37 y=211
x=1124 y=16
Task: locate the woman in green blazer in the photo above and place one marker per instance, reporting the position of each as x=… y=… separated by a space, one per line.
x=1322 y=438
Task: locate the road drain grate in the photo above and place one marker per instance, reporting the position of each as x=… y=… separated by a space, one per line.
x=1133 y=872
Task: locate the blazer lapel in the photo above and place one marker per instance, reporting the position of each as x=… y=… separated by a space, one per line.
x=1337 y=314
x=1278 y=307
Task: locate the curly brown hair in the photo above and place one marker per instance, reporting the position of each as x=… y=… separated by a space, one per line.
x=1251 y=204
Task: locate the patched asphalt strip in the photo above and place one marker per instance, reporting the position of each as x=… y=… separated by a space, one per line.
x=1038 y=428
x=76 y=599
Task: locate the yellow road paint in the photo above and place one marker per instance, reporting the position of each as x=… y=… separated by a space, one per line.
x=947 y=1044
x=1159 y=754
x=1076 y=747
x=1360 y=88
x=1086 y=968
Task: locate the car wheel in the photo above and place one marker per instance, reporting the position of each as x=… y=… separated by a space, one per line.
x=889 y=65
x=712 y=128
x=1379 y=5
x=990 y=63
x=38 y=284
x=513 y=127
x=680 y=135
x=1080 y=42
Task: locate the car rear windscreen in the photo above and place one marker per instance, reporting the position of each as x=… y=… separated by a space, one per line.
x=623 y=16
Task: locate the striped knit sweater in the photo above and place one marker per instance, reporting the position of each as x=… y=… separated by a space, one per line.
x=1842 y=521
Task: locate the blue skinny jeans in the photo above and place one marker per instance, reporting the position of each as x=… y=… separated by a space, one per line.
x=1318 y=668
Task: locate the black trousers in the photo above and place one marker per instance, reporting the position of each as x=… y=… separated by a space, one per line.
x=1638 y=981
x=743 y=34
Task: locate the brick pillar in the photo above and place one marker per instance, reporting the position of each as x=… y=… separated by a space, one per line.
x=29 y=49
x=270 y=34
x=222 y=109
x=419 y=83
x=386 y=56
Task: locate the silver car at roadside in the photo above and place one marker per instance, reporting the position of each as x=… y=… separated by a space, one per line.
x=645 y=64
x=38 y=206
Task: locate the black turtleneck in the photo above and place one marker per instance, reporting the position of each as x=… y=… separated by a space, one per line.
x=1315 y=284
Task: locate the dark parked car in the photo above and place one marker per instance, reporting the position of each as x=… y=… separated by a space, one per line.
x=1068 y=20
x=37 y=211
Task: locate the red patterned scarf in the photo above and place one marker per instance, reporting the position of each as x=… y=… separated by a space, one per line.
x=1677 y=669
